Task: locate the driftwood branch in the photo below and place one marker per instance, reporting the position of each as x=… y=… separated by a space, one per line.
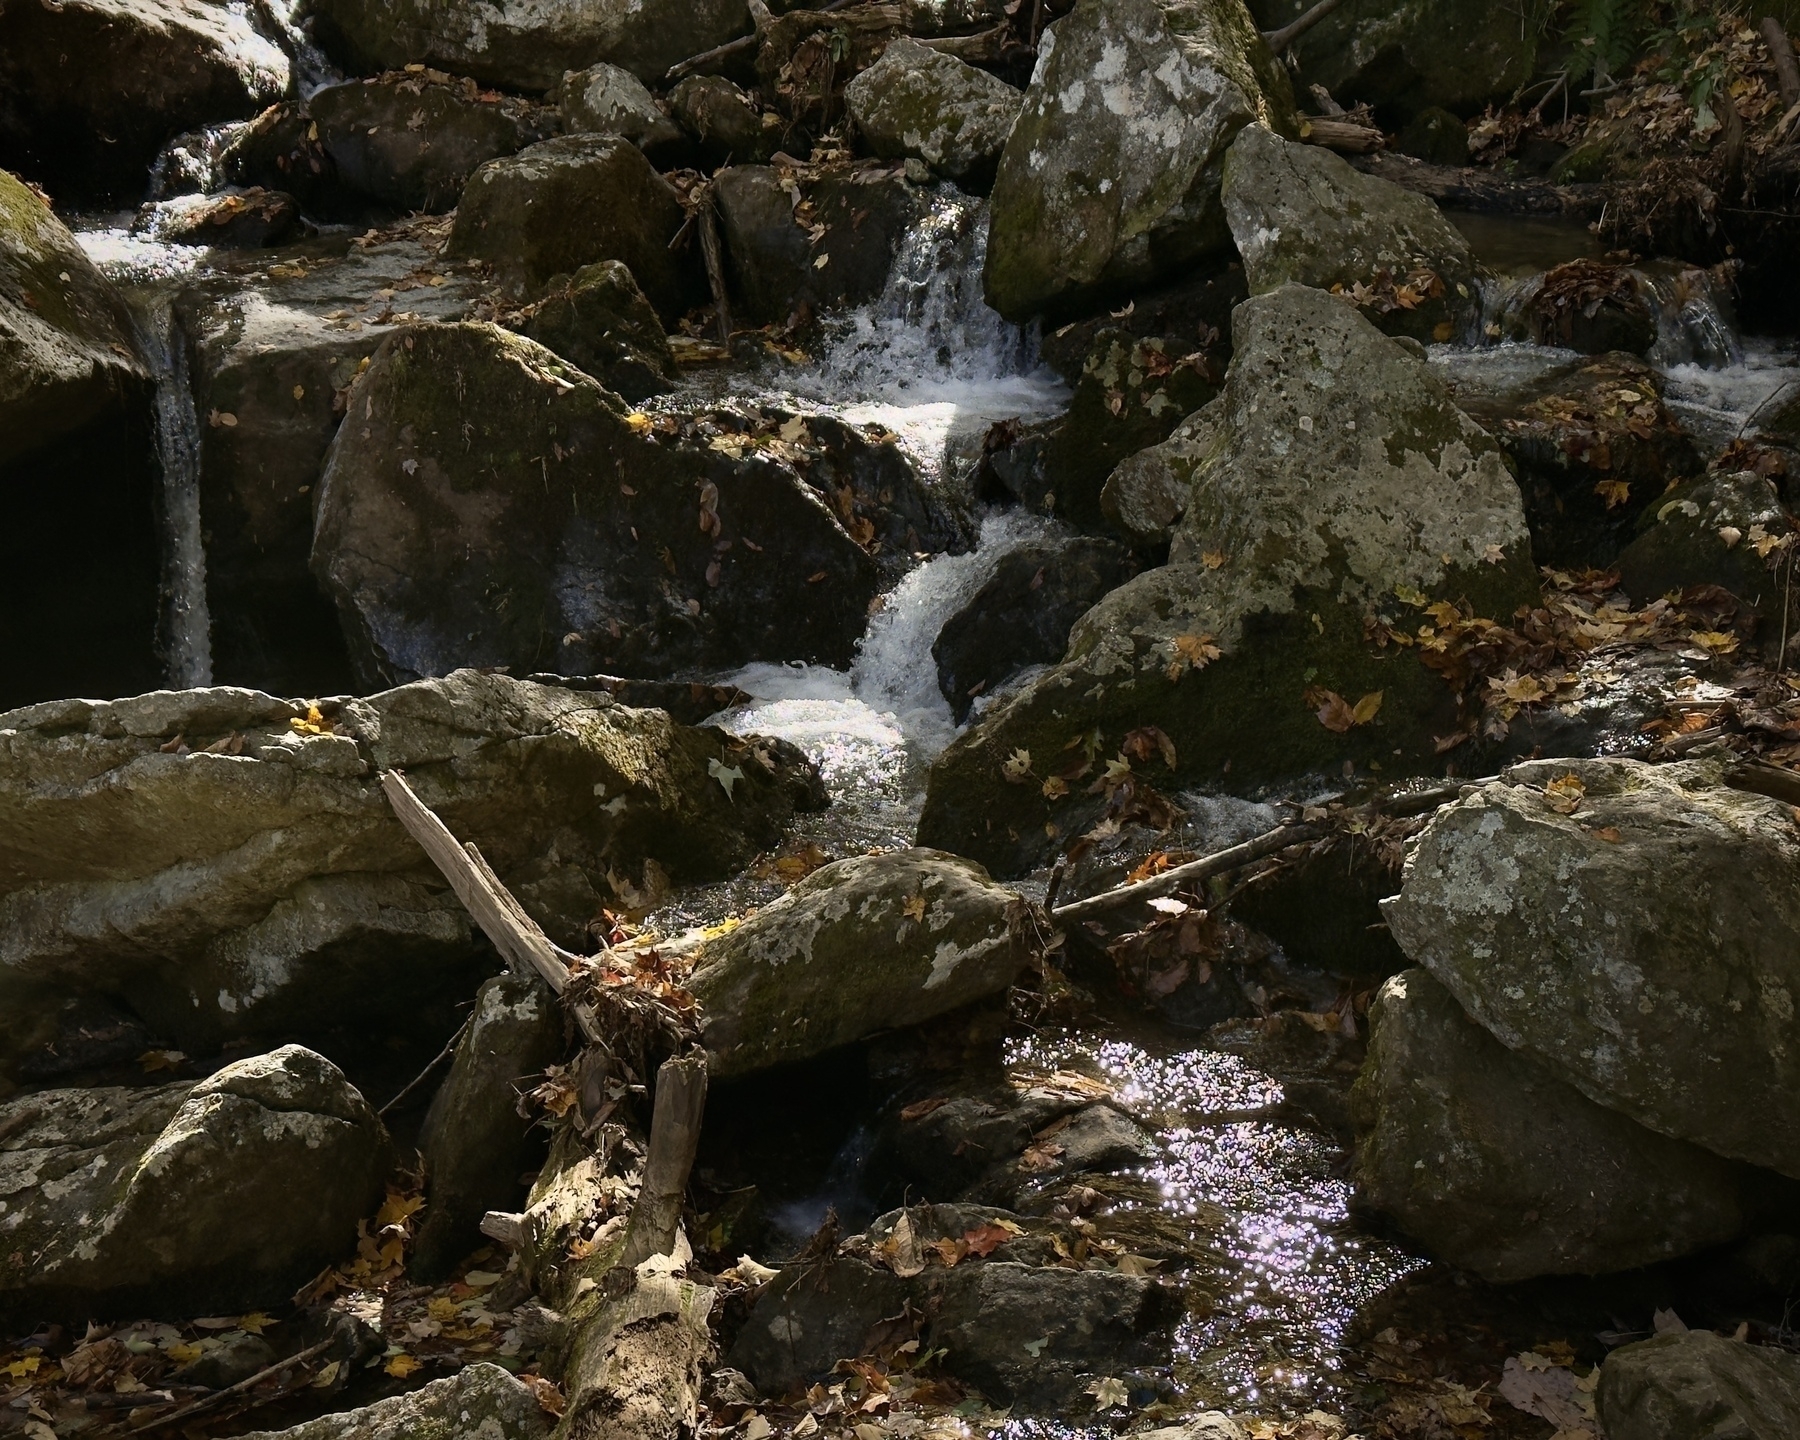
x=231 y=1392
x=1279 y=40
x=1781 y=51
x=674 y=1140
x=1761 y=778
x=712 y=250
x=1344 y=136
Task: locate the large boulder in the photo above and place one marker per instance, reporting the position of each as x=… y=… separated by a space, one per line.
x=1497 y=1166
x=1110 y=179
x=412 y=140
x=1300 y=215
x=919 y=103
x=548 y=529
x=482 y=1402
x=1330 y=475
x=1632 y=929
x=525 y=47
x=95 y=87
x=1724 y=528
x=572 y=201
x=605 y=100
x=222 y=864
x=867 y=944
x=726 y=122
x=1694 y=1385
x=601 y=323
x=219 y=1196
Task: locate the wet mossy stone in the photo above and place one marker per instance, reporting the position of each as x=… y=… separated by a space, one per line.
x=1694 y=1385
x=1708 y=532
x=1332 y=473
x=599 y=321
x=918 y=103
x=1109 y=181
x=1435 y=136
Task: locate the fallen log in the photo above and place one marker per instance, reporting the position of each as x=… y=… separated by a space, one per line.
x=1482 y=191
x=1344 y=136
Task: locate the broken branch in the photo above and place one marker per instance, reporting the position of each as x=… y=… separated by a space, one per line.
x=1279 y=40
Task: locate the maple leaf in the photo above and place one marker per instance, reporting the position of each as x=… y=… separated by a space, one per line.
x=1017 y=767
x=1714 y=641
x=1147 y=742
x=1055 y=788
x=401 y=1365
x=983 y=1240
x=1333 y=710
x=1109 y=1392
x=1191 y=652
x=1614 y=492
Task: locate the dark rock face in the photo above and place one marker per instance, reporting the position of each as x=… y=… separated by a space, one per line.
x=413 y=140
x=605 y=100
x=1022 y=615
x=572 y=201
x=1592 y=307
x=95 y=87
x=280 y=150
x=1435 y=136
x=599 y=321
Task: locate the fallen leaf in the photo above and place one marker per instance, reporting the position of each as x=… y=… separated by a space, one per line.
x=1191 y=652
x=983 y=1240
x=1109 y=1392
x=914 y=907
x=1614 y=492
x=1212 y=559
x=1017 y=767
x=1564 y=794
x=726 y=775
x=919 y=1109
x=1366 y=709
x=1136 y=1265
x=401 y=1365
x=1714 y=641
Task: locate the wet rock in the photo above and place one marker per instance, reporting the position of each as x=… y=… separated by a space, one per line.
x=1589 y=306
x=1497 y=1166
x=525 y=48
x=481 y=1402
x=600 y=322
x=280 y=150
x=247 y=219
x=1647 y=930
x=144 y=71
x=272 y=350
x=1022 y=615
x=951 y=1146
x=1716 y=530
x=812 y=1316
x=1098 y=1140
x=1196 y=311
x=475 y=1143
x=1110 y=179
x=1593 y=446
x=1694 y=1385
x=219 y=1196
x=863 y=945
x=1300 y=215
x=412 y=140
x=620 y=549
x=692 y=702
x=918 y=103
x=726 y=122
x=605 y=100
x=572 y=201
x=1331 y=469
x=1435 y=136
x=1405 y=55
x=221 y=866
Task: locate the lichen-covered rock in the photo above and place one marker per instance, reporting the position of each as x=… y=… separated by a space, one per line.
x=1726 y=529
x=572 y=201
x=221 y=1195
x=1331 y=473
x=143 y=72
x=546 y=529
x=1110 y=179
x=1694 y=1385
x=412 y=140
x=1497 y=1166
x=725 y=121
x=1300 y=215
x=873 y=943
x=1632 y=924
x=600 y=322
x=475 y=1143
x=918 y=103
x=605 y=100
x=221 y=866
x=482 y=1402
x=526 y=46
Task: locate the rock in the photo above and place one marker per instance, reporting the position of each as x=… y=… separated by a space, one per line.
x=1616 y=963
x=1711 y=531
x=605 y=100
x=412 y=140
x=568 y=202
x=1022 y=615
x=1300 y=215
x=919 y=103
x=1594 y=446
x=1694 y=1385
x=1099 y=1140
x=1297 y=524
x=1435 y=136
x=874 y=943
x=475 y=1144
x=1496 y=1166
x=261 y=887
x=726 y=122
x=219 y=1196
x=244 y=219
x=145 y=71
x=1403 y=56
x=280 y=150
x=481 y=1402
x=810 y=1317
x=619 y=550
x=526 y=48
x=239 y=1356
x=949 y=1148
x=1587 y=305
x=1110 y=179
x=271 y=355
x=600 y=322
x=692 y=702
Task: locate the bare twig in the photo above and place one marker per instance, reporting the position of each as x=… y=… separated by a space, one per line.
x=431 y=1067
x=218 y=1397
x=712 y=250
x=1761 y=778
x=1279 y=40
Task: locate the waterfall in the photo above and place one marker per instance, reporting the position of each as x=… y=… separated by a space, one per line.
x=184 y=628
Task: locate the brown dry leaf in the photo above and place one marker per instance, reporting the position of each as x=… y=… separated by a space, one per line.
x=984 y=1240
x=1564 y=794
x=914 y=907
x=1333 y=710
x=1614 y=492
x=547 y=1393
x=1147 y=742
x=1213 y=559
x=1044 y=1155
x=1609 y=833
x=948 y=1251
x=1191 y=652
x=1715 y=642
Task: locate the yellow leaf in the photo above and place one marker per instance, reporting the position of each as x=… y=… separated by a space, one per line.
x=1191 y=652
x=401 y=1365
x=914 y=908
x=1017 y=766
x=1366 y=708
x=1614 y=492
x=1715 y=641
x=638 y=421
x=183 y=1353
x=398 y=1207
x=1213 y=559
x=1564 y=794
x=1055 y=788
x=255 y=1322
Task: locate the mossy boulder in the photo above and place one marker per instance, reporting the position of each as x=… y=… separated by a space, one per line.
x=874 y=943
x=606 y=100
x=1110 y=179
x=919 y=103
x=1694 y=1385
x=1727 y=529
x=481 y=1402
x=1498 y=1167
x=184 y=1198
x=1332 y=473
x=1632 y=923
x=600 y=322
x=725 y=121
x=1300 y=215
x=573 y=201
